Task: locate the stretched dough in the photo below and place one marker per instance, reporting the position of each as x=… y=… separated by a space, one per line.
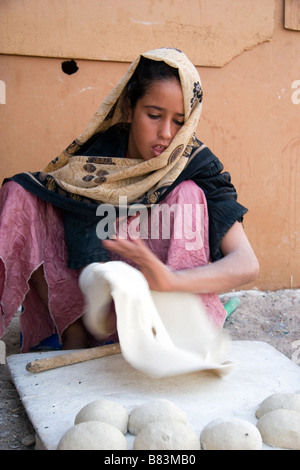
x=93 y=435
x=289 y=401
x=230 y=434
x=167 y=435
x=105 y=411
x=153 y=412
x=160 y=333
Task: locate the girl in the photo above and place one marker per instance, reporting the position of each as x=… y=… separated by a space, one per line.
x=139 y=150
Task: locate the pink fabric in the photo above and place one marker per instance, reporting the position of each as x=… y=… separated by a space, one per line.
x=32 y=234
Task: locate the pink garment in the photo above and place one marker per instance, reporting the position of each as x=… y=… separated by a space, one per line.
x=32 y=234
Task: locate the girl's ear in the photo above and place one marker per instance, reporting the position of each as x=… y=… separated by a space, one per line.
x=128 y=112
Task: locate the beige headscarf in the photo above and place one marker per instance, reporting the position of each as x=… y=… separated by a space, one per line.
x=133 y=178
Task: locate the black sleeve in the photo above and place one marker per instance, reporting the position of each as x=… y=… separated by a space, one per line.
x=206 y=170
x=223 y=208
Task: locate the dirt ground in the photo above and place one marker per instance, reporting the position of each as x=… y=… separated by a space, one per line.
x=272 y=317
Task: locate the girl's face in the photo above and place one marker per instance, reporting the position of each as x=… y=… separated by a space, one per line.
x=156 y=119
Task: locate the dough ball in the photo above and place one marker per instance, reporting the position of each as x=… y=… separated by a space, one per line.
x=93 y=435
x=230 y=434
x=105 y=411
x=166 y=435
x=280 y=428
x=154 y=411
x=289 y=401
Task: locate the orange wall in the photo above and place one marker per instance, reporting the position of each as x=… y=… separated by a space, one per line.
x=250 y=118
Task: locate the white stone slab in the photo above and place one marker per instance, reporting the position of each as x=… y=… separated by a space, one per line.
x=53 y=398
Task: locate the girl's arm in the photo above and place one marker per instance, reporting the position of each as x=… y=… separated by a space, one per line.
x=239 y=265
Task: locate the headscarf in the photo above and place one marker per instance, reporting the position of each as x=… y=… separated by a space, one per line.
x=108 y=178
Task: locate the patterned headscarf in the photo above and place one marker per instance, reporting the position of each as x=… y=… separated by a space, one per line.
x=137 y=179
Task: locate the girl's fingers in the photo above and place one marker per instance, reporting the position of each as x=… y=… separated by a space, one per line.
x=133 y=249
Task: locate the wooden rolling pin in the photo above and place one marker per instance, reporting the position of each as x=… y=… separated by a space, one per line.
x=75 y=357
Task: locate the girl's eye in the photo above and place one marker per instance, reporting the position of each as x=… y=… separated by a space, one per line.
x=153 y=116
x=157 y=116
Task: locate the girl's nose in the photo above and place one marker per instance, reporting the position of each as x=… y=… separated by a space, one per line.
x=165 y=129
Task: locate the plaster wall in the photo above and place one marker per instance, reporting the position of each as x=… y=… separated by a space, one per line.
x=251 y=108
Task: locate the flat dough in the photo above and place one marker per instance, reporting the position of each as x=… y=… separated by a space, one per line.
x=105 y=411
x=280 y=428
x=160 y=333
x=167 y=435
x=230 y=434
x=93 y=435
x=153 y=412
x=289 y=401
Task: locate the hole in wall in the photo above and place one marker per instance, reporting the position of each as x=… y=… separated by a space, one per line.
x=69 y=67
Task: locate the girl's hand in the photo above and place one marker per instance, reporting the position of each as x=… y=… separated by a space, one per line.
x=158 y=276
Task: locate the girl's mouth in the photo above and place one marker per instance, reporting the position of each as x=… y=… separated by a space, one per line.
x=158 y=149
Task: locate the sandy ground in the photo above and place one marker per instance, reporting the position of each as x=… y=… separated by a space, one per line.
x=273 y=317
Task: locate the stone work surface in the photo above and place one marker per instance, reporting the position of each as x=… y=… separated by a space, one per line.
x=273 y=317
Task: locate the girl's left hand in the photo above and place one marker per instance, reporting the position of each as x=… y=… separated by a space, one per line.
x=158 y=276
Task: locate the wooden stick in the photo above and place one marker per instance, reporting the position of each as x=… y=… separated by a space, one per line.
x=81 y=355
